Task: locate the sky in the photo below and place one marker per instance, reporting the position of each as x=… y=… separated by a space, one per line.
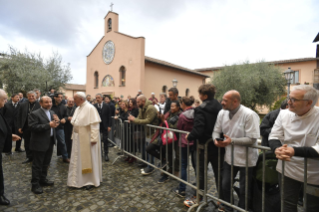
x=193 y=34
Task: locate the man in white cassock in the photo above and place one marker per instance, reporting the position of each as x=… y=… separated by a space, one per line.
x=85 y=169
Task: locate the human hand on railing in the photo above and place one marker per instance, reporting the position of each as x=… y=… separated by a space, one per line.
x=186 y=136
x=285 y=152
x=131 y=118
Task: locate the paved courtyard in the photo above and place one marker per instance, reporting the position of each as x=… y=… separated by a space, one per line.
x=123 y=189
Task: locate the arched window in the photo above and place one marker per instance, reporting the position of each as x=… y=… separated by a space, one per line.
x=187 y=92
x=96 y=79
x=122 y=76
x=164 y=88
x=109 y=24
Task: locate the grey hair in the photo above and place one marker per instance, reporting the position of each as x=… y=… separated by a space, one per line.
x=2 y=92
x=99 y=94
x=311 y=93
x=31 y=92
x=142 y=97
x=81 y=94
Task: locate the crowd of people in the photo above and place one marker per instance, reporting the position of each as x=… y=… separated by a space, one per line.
x=291 y=132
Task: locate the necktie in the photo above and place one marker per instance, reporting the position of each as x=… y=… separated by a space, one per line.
x=100 y=106
x=15 y=105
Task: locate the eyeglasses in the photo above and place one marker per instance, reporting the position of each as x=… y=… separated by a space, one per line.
x=293 y=100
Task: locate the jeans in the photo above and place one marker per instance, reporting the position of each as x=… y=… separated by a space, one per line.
x=226 y=180
x=61 y=141
x=185 y=158
x=291 y=195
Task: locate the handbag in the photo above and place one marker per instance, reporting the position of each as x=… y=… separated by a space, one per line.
x=168 y=136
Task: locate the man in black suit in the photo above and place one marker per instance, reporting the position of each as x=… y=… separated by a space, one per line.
x=10 y=113
x=6 y=139
x=68 y=127
x=22 y=99
x=25 y=109
x=60 y=110
x=38 y=92
x=42 y=123
x=105 y=124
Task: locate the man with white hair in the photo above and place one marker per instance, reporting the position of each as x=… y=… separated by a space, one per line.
x=86 y=162
x=293 y=138
x=26 y=108
x=153 y=99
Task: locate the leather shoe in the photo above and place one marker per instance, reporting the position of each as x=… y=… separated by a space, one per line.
x=46 y=182
x=67 y=160
x=28 y=160
x=106 y=158
x=37 y=189
x=89 y=187
x=19 y=150
x=4 y=200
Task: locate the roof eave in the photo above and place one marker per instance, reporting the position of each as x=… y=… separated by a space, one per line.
x=180 y=69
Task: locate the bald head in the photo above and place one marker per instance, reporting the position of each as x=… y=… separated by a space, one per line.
x=70 y=102
x=231 y=100
x=141 y=101
x=46 y=102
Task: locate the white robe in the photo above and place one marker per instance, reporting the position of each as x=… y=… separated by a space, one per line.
x=75 y=176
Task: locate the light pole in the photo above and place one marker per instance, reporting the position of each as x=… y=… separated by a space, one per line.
x=175 y=83
x=289 y=74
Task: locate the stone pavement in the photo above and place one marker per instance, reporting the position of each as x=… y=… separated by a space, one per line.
x=123 y=189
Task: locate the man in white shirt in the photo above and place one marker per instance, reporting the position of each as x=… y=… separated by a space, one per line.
x=293 y=138
x=240 y=126
x=160 y=106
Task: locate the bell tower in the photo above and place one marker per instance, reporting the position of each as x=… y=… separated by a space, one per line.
x=111 y=22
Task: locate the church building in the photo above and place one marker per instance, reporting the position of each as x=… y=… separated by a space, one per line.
x=117 y=66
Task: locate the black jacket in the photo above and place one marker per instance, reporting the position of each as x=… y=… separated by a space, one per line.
x=39 y=125
x=112 y=108
x=204 y=121
x=61 y=112
x=5 y=136
x=23 y=113
x=10 y=113
x=105 y=115
x=266 y=125
x=134 y=112
x=167 y=106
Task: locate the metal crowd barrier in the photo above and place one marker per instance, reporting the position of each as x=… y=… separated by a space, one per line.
x=133 y=140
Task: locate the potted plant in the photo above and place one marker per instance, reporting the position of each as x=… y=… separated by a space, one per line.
x=306 y=83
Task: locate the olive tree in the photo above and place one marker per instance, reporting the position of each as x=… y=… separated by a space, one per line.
x=260 y=84
x=24 y=71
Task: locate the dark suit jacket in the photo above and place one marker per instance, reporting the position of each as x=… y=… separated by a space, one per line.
x=5 y=136
x=105 y=115
x=39 y=125
x=23 y=112
x=10 y=113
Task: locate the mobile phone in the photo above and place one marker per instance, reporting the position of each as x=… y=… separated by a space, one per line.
x=219 y=139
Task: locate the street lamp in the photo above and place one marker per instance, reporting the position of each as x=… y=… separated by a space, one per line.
x=289 y=74
x=175 y=83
